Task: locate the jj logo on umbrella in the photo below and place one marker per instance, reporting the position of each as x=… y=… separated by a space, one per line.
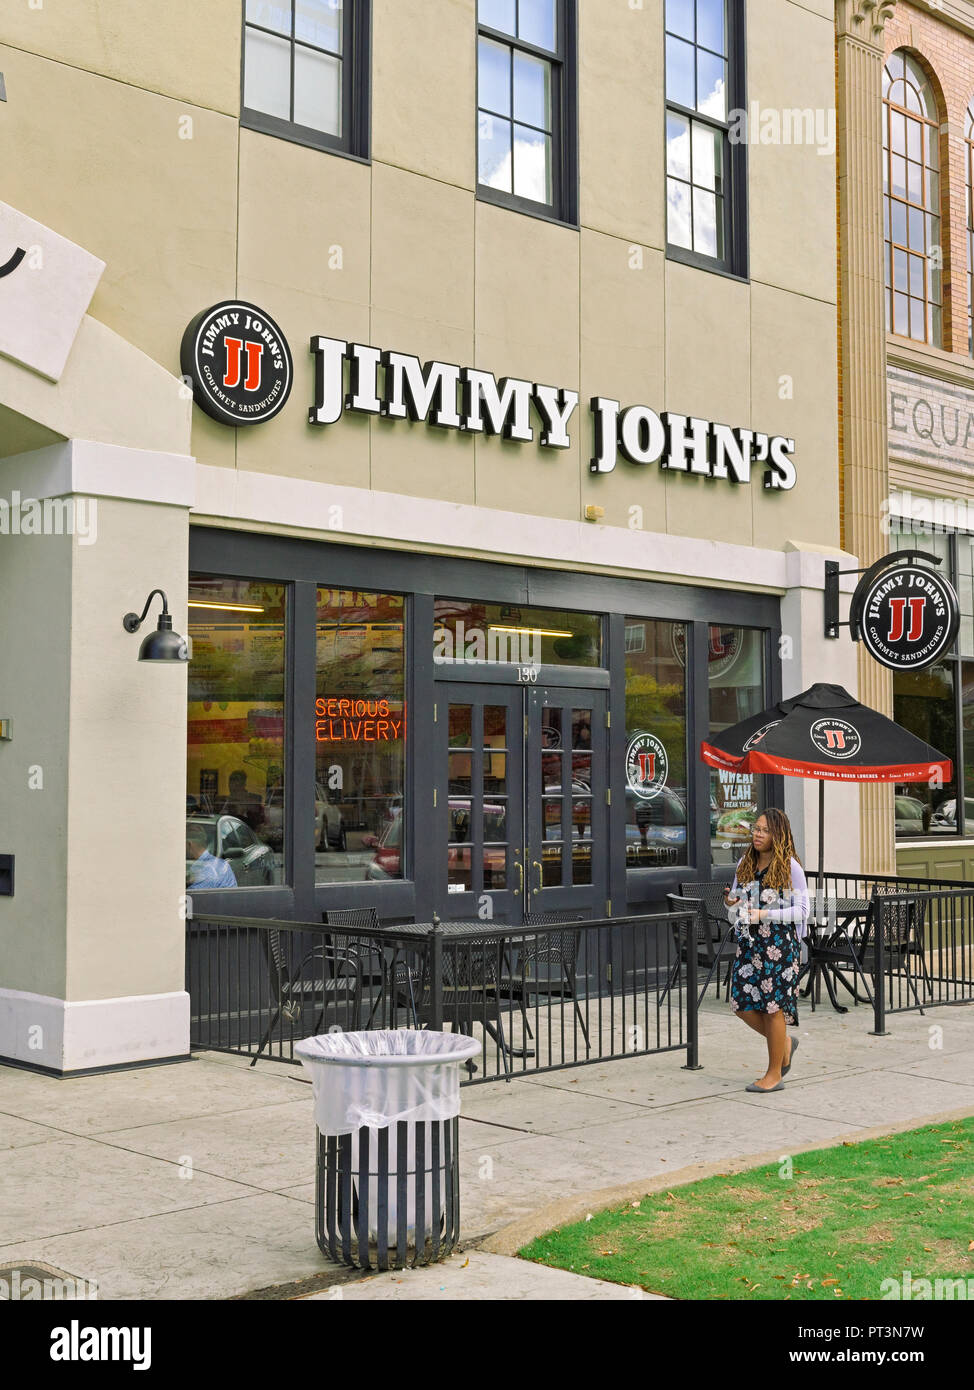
x=836 y=738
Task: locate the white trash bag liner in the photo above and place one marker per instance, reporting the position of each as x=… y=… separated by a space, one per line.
x=379 y=1078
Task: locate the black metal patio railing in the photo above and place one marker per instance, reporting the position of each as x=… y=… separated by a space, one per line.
x=916 y=944
x=540 y=997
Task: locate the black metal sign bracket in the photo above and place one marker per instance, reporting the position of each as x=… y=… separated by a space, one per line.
x=832 y=573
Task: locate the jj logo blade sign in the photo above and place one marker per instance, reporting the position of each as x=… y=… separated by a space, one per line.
x=909 y=617
x=239 y=363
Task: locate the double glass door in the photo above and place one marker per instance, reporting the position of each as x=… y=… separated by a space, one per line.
x=520 y=805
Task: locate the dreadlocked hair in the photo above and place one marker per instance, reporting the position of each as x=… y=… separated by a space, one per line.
x=783 y=852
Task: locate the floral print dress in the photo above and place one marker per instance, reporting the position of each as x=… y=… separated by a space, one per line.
x=767 y=964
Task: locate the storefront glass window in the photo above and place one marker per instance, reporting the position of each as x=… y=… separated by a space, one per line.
x=512 y=634
x=735 y=657
x=923 y=702
x=235 y=754
x=360 y=736
x=657 y=822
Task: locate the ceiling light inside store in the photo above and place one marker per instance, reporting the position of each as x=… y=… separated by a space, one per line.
x=542 y=631
x=225 y=607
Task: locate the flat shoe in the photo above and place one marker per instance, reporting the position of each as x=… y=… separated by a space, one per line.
x=765 y=1090
x=791 y=1057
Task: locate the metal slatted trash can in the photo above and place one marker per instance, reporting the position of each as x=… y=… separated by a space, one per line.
x=387 y=1176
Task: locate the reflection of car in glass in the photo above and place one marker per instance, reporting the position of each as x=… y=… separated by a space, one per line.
x=910 y=815
x=581 y=811
x=735 y=825
x=231 y=839
x=329 y=822
x=388 y=850
x=388 y=845
x=658 y=822
x=945 y=816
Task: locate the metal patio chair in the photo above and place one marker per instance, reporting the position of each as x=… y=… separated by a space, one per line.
x=826 y=957
x=469 y=994
x=323 y=974
x=405 y=978
x=703 y=937
x=902 y=939
x=721 y=931
x=550 y=949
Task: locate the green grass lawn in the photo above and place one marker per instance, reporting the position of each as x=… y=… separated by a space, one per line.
x=843 y=1221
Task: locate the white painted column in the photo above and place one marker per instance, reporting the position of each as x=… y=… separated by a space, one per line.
x=92 y=784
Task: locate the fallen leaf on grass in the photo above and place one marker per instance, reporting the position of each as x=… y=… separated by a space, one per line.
x=827 y=1282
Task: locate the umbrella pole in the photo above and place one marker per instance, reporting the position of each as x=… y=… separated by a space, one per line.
x=821 y=843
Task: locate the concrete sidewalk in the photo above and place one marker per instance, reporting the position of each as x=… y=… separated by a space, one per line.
x=478 y=1275
x=196 y=1180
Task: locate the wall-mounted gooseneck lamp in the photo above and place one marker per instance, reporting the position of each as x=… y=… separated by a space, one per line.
x=163 y=644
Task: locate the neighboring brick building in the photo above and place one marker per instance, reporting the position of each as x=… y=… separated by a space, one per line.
x=906 y=120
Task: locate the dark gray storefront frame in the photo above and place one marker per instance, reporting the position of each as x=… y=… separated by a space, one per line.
x=305 y=564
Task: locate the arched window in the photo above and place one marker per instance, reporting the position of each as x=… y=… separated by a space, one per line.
x=911 y=179
x=969 y=151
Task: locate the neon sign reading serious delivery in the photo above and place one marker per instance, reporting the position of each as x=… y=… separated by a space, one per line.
x=397 y=385
x=358 y=721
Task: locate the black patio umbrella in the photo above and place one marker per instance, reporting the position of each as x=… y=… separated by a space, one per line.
x=825 y=733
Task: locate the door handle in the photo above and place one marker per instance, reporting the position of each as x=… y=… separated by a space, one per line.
x=520 y=875
x=536 y=865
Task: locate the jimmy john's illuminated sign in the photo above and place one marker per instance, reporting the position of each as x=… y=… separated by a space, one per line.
x=239 y=365
x=397 y=386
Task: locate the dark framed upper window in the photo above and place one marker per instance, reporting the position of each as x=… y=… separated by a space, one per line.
x=911 y=202
x=527 y=146
x=306 y=72
x=706 y=171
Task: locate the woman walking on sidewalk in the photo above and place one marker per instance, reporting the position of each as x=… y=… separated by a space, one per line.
x=768 y=905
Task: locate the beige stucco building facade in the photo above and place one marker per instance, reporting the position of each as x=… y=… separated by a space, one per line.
x=127 y=163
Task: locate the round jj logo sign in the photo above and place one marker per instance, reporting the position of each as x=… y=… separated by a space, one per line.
x=909 y=618
x=646 y=766
x=836 y=738
x=239 y=363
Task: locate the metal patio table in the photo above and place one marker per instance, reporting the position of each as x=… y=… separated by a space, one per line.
x=482 y=945
x=831 y=947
